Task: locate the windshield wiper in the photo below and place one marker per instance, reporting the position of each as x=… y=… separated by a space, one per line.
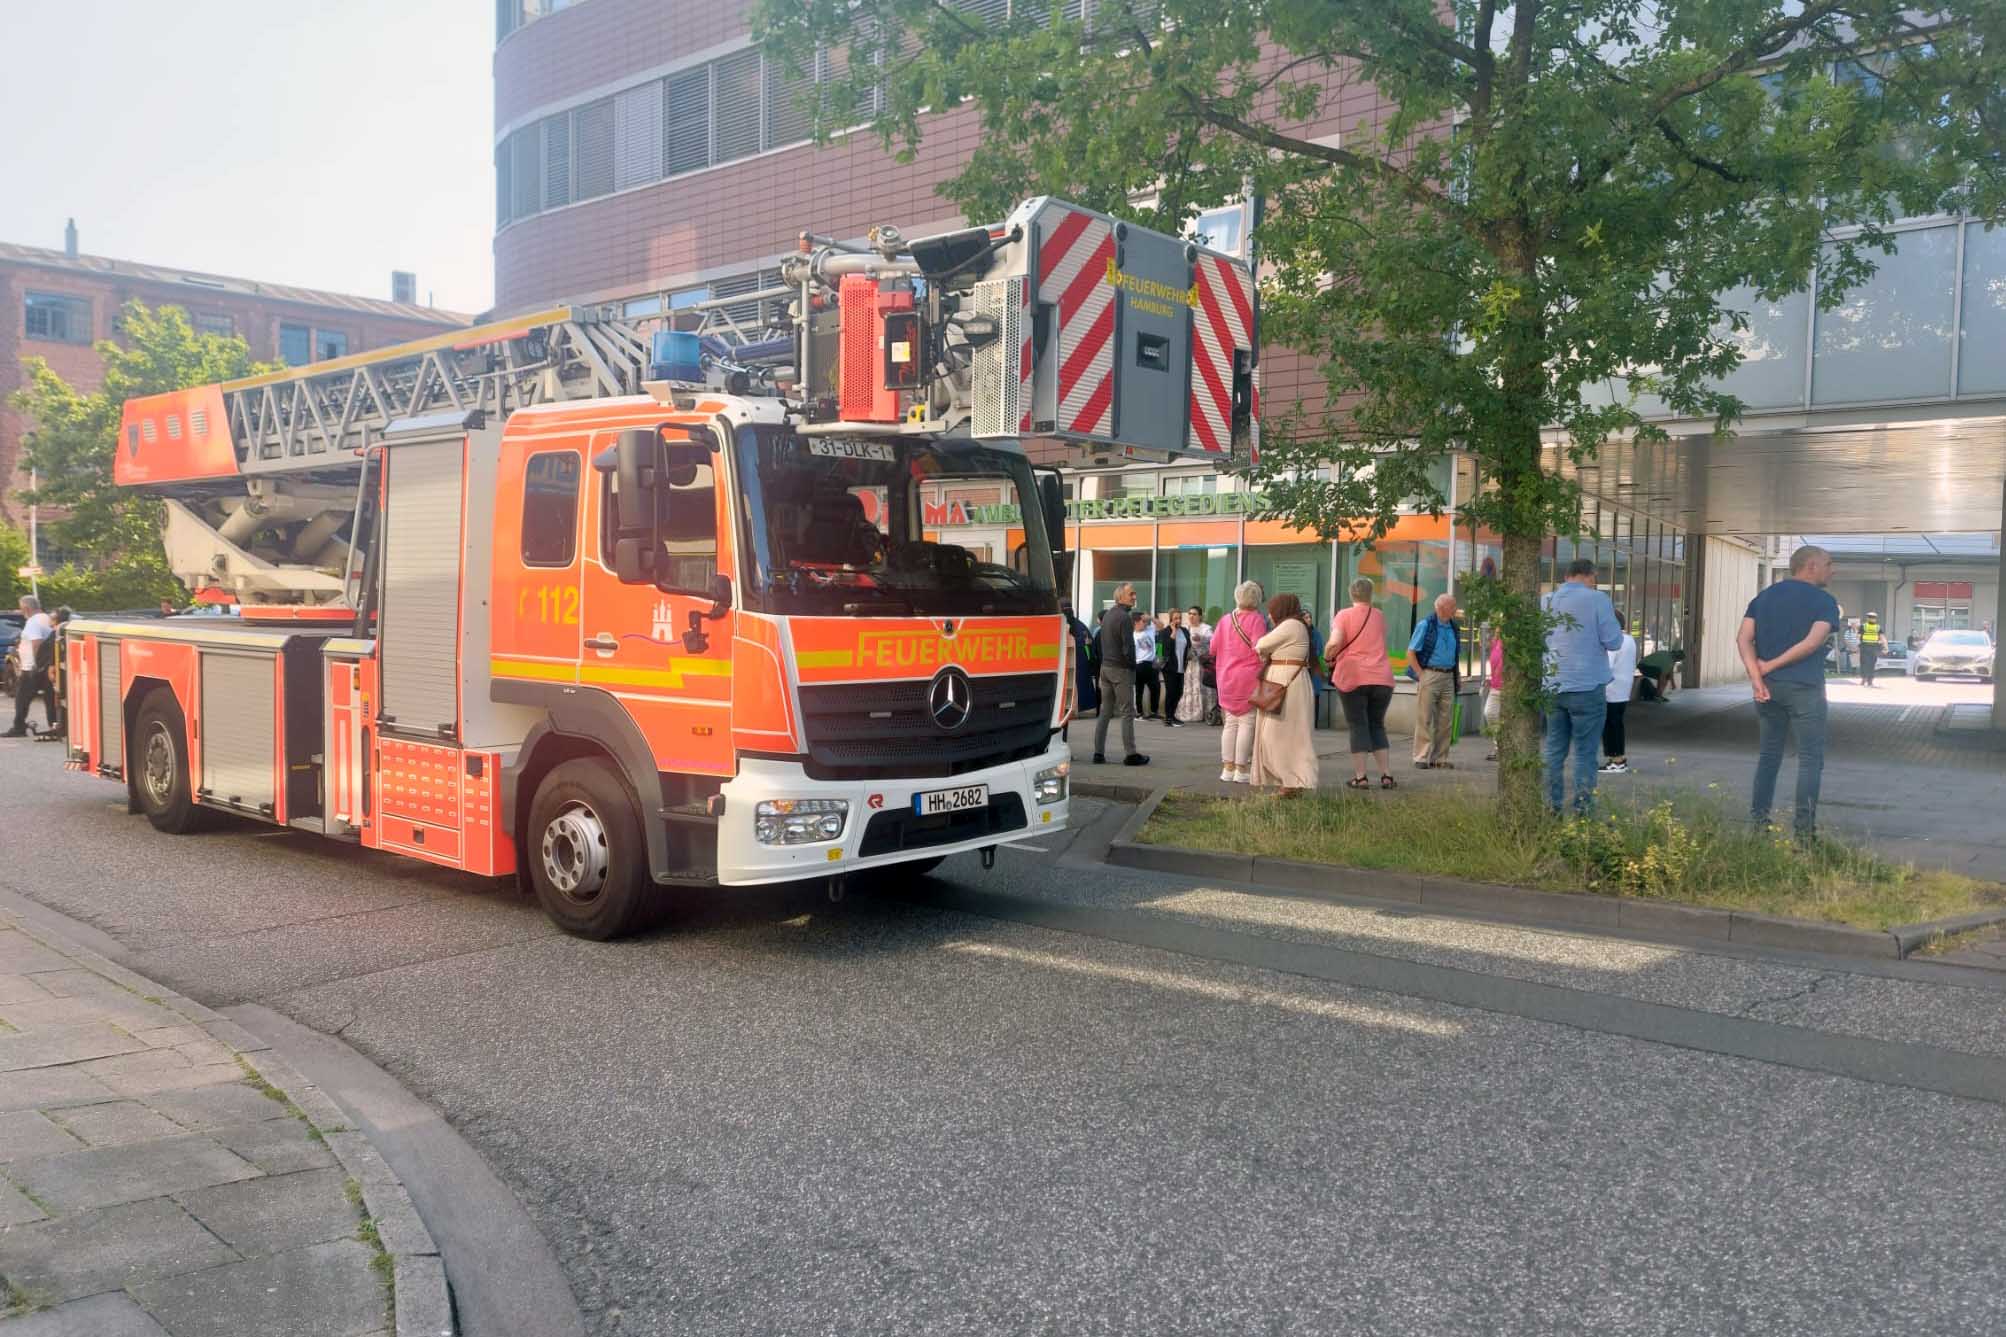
x=879 y=607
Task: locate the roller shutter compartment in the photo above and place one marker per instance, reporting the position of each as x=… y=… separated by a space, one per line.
x=111 y=710
x=420 y=621
x=237 y=731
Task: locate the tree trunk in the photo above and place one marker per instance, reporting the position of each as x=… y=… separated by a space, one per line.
x=1519 y=732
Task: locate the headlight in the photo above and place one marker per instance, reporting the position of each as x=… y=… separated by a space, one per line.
x=1050 y=784
x=800 y=821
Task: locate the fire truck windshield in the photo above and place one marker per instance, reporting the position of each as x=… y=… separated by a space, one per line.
x=875 y=527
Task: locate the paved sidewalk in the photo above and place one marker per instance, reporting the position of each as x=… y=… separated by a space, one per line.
x=162 y=1174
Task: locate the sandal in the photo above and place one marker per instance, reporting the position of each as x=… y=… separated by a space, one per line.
x=1358 y=782
x=1445 y=765
x=1388 y=782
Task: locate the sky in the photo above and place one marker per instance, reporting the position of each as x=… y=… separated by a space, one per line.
x=321 y=143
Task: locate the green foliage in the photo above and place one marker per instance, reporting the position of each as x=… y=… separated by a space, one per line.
x=13 y=556
x=1678 y=846
x=73 y=439
x=1536 y=234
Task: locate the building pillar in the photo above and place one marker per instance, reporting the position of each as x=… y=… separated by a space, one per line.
x=1999 y=620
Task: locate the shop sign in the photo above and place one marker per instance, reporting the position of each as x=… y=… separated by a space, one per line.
x=949 y=515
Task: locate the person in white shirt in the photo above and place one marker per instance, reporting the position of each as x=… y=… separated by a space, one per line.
x=34 y=648
x=1622 y=674
x=1148 y=686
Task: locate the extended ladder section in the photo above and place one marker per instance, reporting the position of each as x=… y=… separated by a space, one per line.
x=312 y=417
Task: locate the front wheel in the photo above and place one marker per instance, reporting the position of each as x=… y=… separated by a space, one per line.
x=587 y=856
x=158 y=756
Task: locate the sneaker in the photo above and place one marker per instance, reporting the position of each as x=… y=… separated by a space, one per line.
x=1226 y=775
x=1135 y=759
x=1243 y=777
x=1100 y=758
x=1615 y=768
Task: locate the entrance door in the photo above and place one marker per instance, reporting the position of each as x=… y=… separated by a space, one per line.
x=654 y=646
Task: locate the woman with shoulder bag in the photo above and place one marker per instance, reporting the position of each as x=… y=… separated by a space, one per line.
x=1364 y=678
x=1284 y=703
x=1236 y=668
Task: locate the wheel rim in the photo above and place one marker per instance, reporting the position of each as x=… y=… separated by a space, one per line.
x=158 y=773
x=575 y=854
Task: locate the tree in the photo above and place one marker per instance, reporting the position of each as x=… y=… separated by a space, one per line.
x=13 y=556
x=1555 y=203
x=114 y=531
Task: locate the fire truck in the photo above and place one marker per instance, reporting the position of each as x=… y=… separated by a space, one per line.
x=609 y=607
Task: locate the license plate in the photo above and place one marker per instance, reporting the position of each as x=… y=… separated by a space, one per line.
x=935 y=801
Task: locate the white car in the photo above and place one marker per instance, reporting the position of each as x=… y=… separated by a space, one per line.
x=1955 y=654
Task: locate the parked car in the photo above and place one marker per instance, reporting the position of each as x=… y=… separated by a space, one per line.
x=10 y=636
x=1894 y=658
x=1955 y=654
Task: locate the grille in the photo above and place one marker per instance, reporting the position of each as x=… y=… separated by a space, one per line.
x=890 y=832
x=864 y=730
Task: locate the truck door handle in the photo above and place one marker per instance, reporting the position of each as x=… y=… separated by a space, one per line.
x=603 y=642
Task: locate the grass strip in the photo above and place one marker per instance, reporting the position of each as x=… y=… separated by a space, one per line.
x=1685 y=848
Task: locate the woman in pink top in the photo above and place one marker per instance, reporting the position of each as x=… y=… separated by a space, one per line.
x=1363 y=676
x=1494 y=691
x=1237 y=666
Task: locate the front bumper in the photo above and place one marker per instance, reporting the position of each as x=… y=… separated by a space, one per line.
x=743 y=861
x=1941 y=670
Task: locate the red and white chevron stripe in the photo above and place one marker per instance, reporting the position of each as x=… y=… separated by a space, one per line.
x=1074 y=252
x=1223 y=323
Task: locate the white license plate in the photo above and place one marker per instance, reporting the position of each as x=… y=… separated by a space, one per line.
x=935 y=801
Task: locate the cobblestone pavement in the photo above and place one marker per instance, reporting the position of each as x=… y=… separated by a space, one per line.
x=151 y=1181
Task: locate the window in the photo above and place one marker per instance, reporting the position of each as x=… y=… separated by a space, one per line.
x=1222 y=229
x=295 y=345
x=58 y=319
x=685 y=519
x=557 y=160
x=550 y=509
x=329 y=344
x=1190 y=485
x=224 y=327
x=592 y=128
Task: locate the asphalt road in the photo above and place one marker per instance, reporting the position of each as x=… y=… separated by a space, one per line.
x=1059 y=1098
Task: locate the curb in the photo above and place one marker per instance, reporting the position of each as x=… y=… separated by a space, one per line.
x=1487 y=900
x=424 y=1305
x=1914 y=936
x=1112 y=791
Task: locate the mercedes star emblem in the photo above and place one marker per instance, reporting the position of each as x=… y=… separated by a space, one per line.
x=949 y=699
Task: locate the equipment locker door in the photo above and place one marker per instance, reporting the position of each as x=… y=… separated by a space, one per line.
x=418 y=627
x=670 y=672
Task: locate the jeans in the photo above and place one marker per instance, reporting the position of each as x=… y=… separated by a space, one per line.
x=1117 y=698
x=1574 y=723
x=1793 y=710
x=1365 y=713
x=34 y=682
x=1173 y=695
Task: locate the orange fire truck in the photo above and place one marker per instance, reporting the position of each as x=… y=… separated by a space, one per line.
x=607 y=607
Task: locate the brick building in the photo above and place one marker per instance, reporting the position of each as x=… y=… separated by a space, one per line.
x=59 y=302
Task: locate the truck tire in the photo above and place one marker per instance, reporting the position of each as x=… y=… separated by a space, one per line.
x=159 y=761
x=587 y=857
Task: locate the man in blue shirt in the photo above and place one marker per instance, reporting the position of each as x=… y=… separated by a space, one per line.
x=1578 y=643
x=1783 y=644
x=1433 y=653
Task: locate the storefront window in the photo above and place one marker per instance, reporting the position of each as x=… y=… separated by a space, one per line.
x=1406 y=578
x=1204 y=576
x=1194 y=485
x=1113 y=568
x=1301 y=569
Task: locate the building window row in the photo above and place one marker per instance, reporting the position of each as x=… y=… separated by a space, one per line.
x=513 y=14
x=303 y=344
x=57 y=318
x=723 y=110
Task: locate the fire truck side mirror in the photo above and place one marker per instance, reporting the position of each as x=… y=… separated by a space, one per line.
x=636 y=467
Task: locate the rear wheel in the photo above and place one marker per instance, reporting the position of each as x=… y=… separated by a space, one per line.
x=158 y=756
x=587 y=856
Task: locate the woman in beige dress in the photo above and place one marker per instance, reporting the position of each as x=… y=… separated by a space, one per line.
x=1283 y=754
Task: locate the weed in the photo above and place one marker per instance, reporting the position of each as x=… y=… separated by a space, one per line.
x=1686 y=848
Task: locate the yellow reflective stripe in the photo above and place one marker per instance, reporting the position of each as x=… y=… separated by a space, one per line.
x=825 y=658
x=613 y=675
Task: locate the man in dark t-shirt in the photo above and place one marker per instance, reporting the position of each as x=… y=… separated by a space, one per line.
x=1784 y=639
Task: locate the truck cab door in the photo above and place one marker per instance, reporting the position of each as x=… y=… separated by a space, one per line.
x=656 y=619
x=539 y=554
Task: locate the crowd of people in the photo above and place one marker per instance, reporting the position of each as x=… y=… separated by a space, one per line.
x=1260 y=672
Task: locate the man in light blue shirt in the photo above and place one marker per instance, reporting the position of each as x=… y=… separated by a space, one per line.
x=1577 y=669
